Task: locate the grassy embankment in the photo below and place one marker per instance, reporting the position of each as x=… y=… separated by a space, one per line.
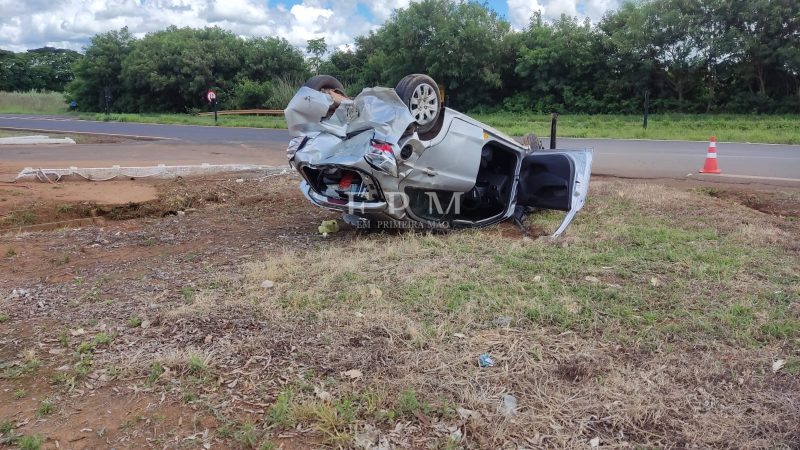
x=726 y=127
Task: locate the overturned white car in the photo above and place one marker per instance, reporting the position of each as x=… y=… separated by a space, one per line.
x=398 y=158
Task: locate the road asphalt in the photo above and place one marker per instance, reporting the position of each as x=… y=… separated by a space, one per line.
x=767 y=164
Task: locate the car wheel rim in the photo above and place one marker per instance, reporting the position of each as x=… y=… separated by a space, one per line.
x=424 y=104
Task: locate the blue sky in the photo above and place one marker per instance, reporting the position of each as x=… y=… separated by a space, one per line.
x=30 y=24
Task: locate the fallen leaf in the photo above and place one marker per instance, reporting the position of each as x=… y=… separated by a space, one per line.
x=778 y=365
x=78 y=332
x=592 y=279
x=595 y=442
x=459 y=335
x=655 y=282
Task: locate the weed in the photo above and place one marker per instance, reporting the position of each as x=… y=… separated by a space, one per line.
x=135 y=322
x=64 y=208
x=30 y=442
x=792 y=366
x=279 y=413
x=6 y=427
x=196 y=364
x=156 y=370
x=188 y=293
x=84 y=347
x=101 y=339
x=246 y=435
x=189 y=397
x=63 y=339
x=29 y=366
x=84 y=366
x=4 y=318
x=11 y=252
x=20 y=393
x=407 y=404
x=46 y=407
x=20 y=218
x=268 y=445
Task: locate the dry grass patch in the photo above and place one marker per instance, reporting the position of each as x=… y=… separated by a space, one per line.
x=654 y=322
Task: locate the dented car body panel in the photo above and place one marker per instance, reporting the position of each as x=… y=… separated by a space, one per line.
x=365 y=157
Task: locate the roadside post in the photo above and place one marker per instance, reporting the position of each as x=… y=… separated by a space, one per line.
x=211 y=96
x=646 y=107
x=553 y=126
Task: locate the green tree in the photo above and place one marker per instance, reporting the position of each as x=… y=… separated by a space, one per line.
x=100 y=71
x=458 y=44
x=171 y=70
x=271 y=58
x=317 y=49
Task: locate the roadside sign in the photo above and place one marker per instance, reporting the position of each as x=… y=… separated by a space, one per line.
x=211 y=95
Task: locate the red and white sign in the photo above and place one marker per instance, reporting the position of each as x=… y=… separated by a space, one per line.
x=211 y=96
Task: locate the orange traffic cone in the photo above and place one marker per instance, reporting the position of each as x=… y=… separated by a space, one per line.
x=711 y=158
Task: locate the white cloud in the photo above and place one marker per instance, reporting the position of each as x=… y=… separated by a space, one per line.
x=70 y=23
x=520 y=11
x=29 y=24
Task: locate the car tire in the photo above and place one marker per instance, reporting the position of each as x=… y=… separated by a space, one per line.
x=321 y=82
x=421 y=95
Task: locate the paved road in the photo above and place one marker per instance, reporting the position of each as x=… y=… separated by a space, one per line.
x=204 y=134
x=740 y=163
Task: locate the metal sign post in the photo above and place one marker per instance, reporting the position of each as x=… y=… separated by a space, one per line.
x=211 y=96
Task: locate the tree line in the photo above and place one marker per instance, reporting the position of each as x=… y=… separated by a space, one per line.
x=41 y=69
x=740 y=56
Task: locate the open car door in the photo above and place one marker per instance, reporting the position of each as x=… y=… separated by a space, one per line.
x=556 y=179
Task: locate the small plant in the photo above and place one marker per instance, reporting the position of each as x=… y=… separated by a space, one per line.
x=4 y=318
x=20 y=393
x=268 y=445
x=20 y=218
x=85 y=347
x=196 y=364
x=46 y=407
x=64 y=208
x=279 y=412
x=135 y=322
x=189 y=397
x=6 y=427
x=101 y=339
x=11 y=252
x=156 y=370
x=246 y=435
x=63 y=339
x=84 y=366
x=188 y=293
x=407 y=404
x=30 y=442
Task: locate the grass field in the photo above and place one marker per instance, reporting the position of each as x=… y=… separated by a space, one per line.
x=32 y=103
x=694 y=127
x=727 y=128
x=697 y=127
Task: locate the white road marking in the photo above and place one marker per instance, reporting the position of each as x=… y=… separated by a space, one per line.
x=39 y=130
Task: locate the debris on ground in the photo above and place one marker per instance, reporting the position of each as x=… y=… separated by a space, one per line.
x=485 y=360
